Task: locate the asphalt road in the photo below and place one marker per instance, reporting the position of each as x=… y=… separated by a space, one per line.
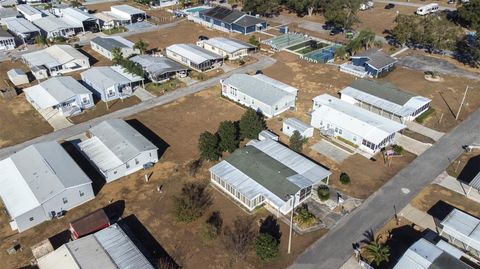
x=410 y=4
x=62 y=134
x=332 y=250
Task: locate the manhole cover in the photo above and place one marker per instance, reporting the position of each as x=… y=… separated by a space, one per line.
x=405 y=190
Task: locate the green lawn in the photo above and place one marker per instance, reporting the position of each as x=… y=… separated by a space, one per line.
x=115 y=30
x=425 y=115
x=162 y=88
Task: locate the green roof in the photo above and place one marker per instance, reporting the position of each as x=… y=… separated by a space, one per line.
x=265 y=170
x=384 y=91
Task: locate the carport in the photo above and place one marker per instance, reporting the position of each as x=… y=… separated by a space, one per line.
x=464 y=228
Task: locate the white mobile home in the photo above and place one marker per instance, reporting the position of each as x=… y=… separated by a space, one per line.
x=52 y=27
x=57 y=59
x=193 y=56
x=290 y=125
x=228 y=48
x=79 y=18
x=385 y=100
x=64 y=94
x=7 y=14
x=262 y=93
x=108 y=248
x=41 y=182
x=129 y=13
x=368 y=131
x=17 y=76
x=159 y=69
x=117 y=149
x=105 y=46
x=111 y=82
x=266 y=172
x=24 y=30
x=106 y=20
x=427 y=9
x=7 y=41
x=30 y=13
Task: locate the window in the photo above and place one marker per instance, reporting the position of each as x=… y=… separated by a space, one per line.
x=65 y=200
x=81 y=193
x=128 y=165
x=136 y=161
x=31 y=219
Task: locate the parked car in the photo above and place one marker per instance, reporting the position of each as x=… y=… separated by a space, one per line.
x=327 y=26
x=389 y=6
x=336 y=31
x=202 y=37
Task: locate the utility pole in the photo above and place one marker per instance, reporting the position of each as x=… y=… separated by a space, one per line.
x=461 y=104
x=291 y=224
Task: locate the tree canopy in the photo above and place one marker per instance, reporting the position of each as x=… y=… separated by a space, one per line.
x=342 y=13
x=192 y=202
x=141 y=46
x=240 y=238
x=306 y=7
x=365 y=39
x=262 y=7
x=266 y=246
x=208 y=146
x=468 y=50
x=227 y=133
x=297 y=141
x=469 y=14
x=251 y=124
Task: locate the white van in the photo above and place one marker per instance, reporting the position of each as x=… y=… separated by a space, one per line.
x=427 y=9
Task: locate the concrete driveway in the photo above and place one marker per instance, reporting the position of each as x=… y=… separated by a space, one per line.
x=331 y=151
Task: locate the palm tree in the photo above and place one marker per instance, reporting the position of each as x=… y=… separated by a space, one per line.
x=376 y=251
x=117 y=55
x=141 y=46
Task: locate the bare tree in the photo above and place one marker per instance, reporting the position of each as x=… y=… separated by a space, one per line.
x=239 y=239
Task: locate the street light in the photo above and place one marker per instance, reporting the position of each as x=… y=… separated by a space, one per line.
x=291 y=222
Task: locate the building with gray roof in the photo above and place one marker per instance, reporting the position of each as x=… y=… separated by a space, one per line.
x=30 y=13
x=23 y=29
x=41 y=182
x=129 y=13
x=375 y=62
x=117 y=149
x=52 y=27
x=64 y=94
x=229 y=20
x=290 y=125
x=79 y=18
x=385 y=99
x=159 y=69
x=193 y=56
x=266 y=172
x=227 y=47
x=105 y=46
x=8 y=13
x=110 y=248
x=111 y=82
x=262 y=93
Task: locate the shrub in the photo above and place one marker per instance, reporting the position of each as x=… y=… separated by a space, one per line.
x=344 y=178
x=323 y=193
x=241 y=62
x=209 y=232
x=193 y=200
x=397 y=149
x=266 y=247
x=304 y=218
x=240 y=238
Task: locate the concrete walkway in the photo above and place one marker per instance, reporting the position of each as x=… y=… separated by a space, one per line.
x=55 y=119
x=409 y=144
x=451 y=183
x=428 y=132
x=418 y=217
x=399 y=52
x=143 y=94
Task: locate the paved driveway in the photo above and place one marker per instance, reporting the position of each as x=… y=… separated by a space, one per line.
x=332 y=250
x=425 y=63
x=331 y=151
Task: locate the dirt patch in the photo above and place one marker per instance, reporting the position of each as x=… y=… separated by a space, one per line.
x=379 y=20
x=101 y=109
x=466 y=166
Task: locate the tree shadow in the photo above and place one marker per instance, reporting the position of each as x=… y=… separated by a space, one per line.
x=60 y=239
x=146 y=243
x=91 y=59
x=150 y=135
x=270 y=226
x=98 y=181
x=399 y=240
x=471 y=169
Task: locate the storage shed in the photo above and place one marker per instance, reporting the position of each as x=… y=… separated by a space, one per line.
x=17 y=76
x=88 y=224
x=290 y=125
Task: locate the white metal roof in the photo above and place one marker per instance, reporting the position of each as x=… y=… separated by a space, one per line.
x=28 y=10
x=407 y=109
x=55 y=90
x=21 y=25
x=114 y=142
x=54 y=56
x=462 y=227
x=308 y=172
x=77 y=14
x=227 y=44
x=297 y=124
x=35 y=174
x=110 y=248
x=354 y=119
x=276 y=83
x=475 y=183
x=15 y=72
x=104 y=77
x=106 y=16
x=52 y=24
x=193 y=53
x=129 y=10
x=419 y=256
x=258 y=88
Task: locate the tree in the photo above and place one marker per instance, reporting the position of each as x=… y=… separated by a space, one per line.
x=212 y=227
x=344 y=178
x=304 y=218
x=266 y=246
x=341 y=53
x=75 y=3
x=468 y=50
x=117 y=56
x=306 y=7
x=261 y=7
x=297 y=141
x=469 y=14
x=41 y=40
x=208 y=146
x=239 y=238
x=323 y=192
x=141 y=46
x=365 y=39
x=375 y=251
x=254 y=41
x=227 y=133
x=192 y=202
x=251 y=124
x=342 y=13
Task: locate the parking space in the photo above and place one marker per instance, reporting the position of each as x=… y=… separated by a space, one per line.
x=331 y=151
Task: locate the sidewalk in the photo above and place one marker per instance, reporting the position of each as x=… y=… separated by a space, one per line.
x=418 y=217
x=435 y=135
x=455 y=185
